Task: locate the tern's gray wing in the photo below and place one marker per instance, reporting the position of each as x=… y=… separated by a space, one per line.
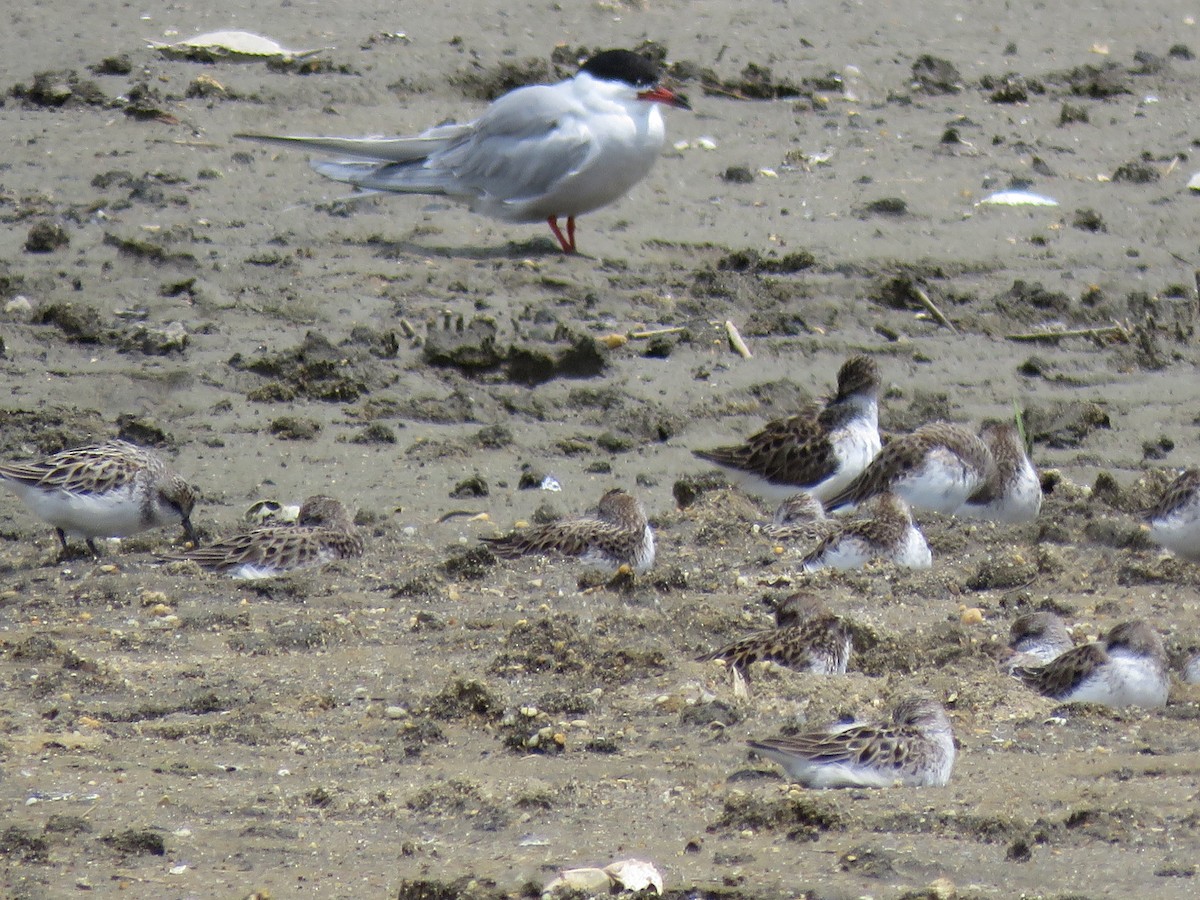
x=524 y=145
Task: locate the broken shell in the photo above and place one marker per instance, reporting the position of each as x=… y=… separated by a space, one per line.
x=232 y=45
x=635 y=875
x=585 y=881
x=1194 y=182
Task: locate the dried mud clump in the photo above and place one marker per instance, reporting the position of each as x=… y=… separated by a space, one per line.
x=488 y=84
x=1136 y=172
x=934 y=75
x=802 y=817
x=751 y=260
x=467 y=887
x=1011 y=88
x=295 y=428
x=59 y=90
x=316 y=369
x=1065 y=425
x=533 y=365
x=24 y=845
x=136 y=842
x=548 y=644
x=1095 y=82
x=464 y=698
x=1002 y=574
x=46 y=237
x=470 y=565
x=469 y=347
x=460 y=799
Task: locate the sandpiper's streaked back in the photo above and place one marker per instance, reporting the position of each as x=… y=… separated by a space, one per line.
x=915 y=749
x=937 y=467
x=618 y=534
x=819 y=450
x=813 y=640
x=323 y=533
x=1014 y=493
x=1175 y=519
x=1127 y=668
x=113 y=489
x=882 y=528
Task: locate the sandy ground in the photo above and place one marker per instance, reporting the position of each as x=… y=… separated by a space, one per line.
x=367 y=730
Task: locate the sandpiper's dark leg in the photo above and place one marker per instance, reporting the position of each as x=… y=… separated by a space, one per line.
x=92 y=546
x=62 y=538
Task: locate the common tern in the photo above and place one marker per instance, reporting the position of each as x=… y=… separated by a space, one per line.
x=538 y=153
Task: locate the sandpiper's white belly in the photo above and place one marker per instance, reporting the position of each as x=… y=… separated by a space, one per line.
x=914 y=552
x=854 y=446
x=1179 y=531
x=1125 y=680
x=942 y=484
x=114 y=513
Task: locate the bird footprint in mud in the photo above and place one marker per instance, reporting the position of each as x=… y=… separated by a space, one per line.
x=461 y=344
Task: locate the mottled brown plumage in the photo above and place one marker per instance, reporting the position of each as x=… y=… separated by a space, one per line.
x=880 y=529
x=916 y=748
x=1036 y=638
x=814 y=640
x=113 y=489
x=618 y=534
x=1175 y=519
x=1013 y=492
x=936 y=467
x=799 y=519
x=818 y=449
x=1127 y=668
x=324 y=532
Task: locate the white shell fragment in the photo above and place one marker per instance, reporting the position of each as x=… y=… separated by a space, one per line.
x=635 y=875
x=626 y=875
x=590 y=881
x=1194 y=182
x=1018 y=198
x=231 y=45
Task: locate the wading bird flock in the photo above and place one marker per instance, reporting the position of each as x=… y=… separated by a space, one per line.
x=816 y=459
x=545 y=153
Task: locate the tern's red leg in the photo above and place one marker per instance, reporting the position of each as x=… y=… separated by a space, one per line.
x=571 y=231
x=567 y=246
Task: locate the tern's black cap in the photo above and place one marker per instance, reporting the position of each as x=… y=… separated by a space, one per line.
x=622 y=65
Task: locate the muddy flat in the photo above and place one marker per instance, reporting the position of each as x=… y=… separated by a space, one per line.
x=430 y=721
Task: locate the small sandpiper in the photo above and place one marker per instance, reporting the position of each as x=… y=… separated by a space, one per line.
x=1127 y=668
x=808 y=638
x=818 y=450
x=113 y=489
x=1015 y=493
x=799 y=519
x=619 y=534
x=914 y=749
x=1175 y=520
x=323 y=533
x=937 y=468
x=1036 y=638
x=880 y=529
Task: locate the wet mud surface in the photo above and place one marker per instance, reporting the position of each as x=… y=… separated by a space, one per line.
x=428 y=721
